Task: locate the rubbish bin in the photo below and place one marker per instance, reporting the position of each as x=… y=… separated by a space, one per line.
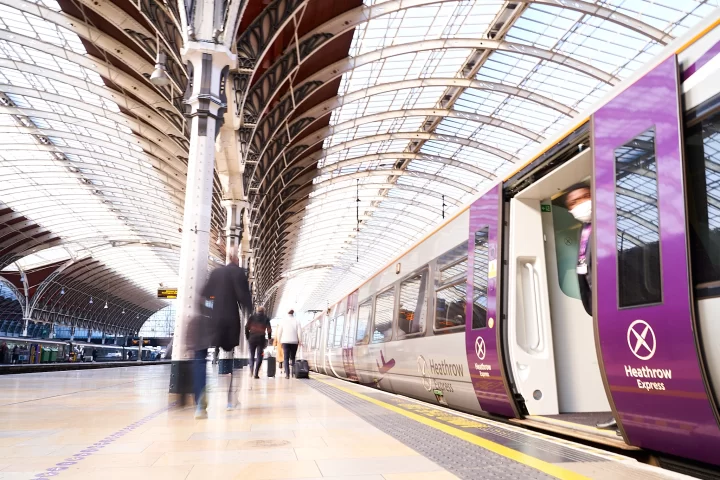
x=45 y=356
x=53 y=355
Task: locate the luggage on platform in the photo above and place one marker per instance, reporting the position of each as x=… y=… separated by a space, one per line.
x=301 y=369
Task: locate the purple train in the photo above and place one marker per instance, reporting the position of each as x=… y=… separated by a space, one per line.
x=485 y=314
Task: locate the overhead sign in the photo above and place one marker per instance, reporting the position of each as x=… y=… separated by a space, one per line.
x=168 y=293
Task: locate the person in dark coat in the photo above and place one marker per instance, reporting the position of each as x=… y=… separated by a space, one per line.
x=227 y=291
x=255 y=329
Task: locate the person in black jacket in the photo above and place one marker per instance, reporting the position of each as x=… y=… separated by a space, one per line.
x=226 y=292
x=255 y=329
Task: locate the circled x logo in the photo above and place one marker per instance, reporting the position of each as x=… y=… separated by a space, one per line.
x=480 y=348
x=422 y=370
x=641 y=339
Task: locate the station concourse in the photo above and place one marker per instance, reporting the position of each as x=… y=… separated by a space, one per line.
x=362 y=161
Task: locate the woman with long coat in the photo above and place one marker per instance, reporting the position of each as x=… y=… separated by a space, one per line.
x=280 y=354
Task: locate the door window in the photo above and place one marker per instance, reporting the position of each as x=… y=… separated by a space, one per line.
x=450 y=290
x=413 y=304
x=637 y=222
x=382 y=325
x=480 y=279
x=361 y=336
x=702 y=146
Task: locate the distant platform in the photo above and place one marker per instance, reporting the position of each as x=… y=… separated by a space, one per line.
x=6 y=369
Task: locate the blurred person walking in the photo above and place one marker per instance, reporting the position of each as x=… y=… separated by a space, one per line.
x=289 y=335
x=218 y=323
x=255 y=329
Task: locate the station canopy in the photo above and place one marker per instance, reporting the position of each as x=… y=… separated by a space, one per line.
x=437 y=102
x=395 y=113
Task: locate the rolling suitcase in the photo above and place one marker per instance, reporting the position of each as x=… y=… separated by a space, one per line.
x=301 y=369
x=271 y=366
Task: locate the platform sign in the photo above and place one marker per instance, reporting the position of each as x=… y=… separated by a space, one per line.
x=167 y=293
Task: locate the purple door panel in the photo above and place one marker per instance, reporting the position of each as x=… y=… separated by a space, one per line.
x=643 y=305
x=483 y=344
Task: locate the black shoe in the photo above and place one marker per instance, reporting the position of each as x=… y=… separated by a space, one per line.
x=256 y=376
x=607 y=425
x=287 y=376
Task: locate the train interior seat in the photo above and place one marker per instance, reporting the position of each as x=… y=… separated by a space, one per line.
x=551 y=337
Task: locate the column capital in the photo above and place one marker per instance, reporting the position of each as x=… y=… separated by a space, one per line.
x=221 y=55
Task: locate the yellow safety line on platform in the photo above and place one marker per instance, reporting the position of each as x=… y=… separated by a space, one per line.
x=525 y=459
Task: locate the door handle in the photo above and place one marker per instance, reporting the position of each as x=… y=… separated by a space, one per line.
x=534 y=287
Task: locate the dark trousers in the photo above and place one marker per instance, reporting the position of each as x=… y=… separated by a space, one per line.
x=199 y=374
x=256 y=355
x=289 y=351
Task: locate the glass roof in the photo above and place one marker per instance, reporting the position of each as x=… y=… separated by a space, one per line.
x=72 y=162
x=400 y=174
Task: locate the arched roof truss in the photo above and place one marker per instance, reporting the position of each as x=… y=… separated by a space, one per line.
x=426 y=113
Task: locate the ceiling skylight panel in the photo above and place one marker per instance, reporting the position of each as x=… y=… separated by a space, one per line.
x=456 y=127
x=560 y=18
x=527 y=114
x=479 y=101
x=566 y=86
x=506 y=68
x=501 y=138
x=480 y=159
x=531 y=32
x=442 y=149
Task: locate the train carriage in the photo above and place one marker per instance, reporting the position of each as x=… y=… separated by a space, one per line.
x=485 y=314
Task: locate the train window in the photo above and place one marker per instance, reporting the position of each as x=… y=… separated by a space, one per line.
x=480 y=279
x=331 y=334
x=702 y=146
x=413 y=304
x=637 y=222
x=361 y=336
x=349 y=337
x=384 y=306
x=339 y=330
x=450 y=291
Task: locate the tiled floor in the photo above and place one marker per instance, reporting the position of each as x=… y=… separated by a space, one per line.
x=281 y=430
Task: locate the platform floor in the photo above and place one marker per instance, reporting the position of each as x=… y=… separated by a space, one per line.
x=117 y=424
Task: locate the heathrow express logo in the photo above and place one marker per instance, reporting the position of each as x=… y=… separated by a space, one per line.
x=422 y=370
x=480 y=348
x=641 y=340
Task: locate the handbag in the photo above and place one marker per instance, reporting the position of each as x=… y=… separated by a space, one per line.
x=201 y=332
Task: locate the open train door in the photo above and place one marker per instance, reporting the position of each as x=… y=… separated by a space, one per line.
x=483 y=333
x=530 y=353
x=642 y=288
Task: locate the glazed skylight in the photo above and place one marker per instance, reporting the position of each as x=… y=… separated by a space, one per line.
x=70 y=160
x=408 y=170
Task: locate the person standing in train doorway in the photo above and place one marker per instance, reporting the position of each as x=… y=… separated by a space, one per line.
x=578 y=201
x=289 y=335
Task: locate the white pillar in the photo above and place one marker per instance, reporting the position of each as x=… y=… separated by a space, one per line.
x=140 y=348
x=210 y=64
x=235 y=210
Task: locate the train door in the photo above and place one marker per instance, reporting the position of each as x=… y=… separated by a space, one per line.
x=645 y=323
x=550 y=334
